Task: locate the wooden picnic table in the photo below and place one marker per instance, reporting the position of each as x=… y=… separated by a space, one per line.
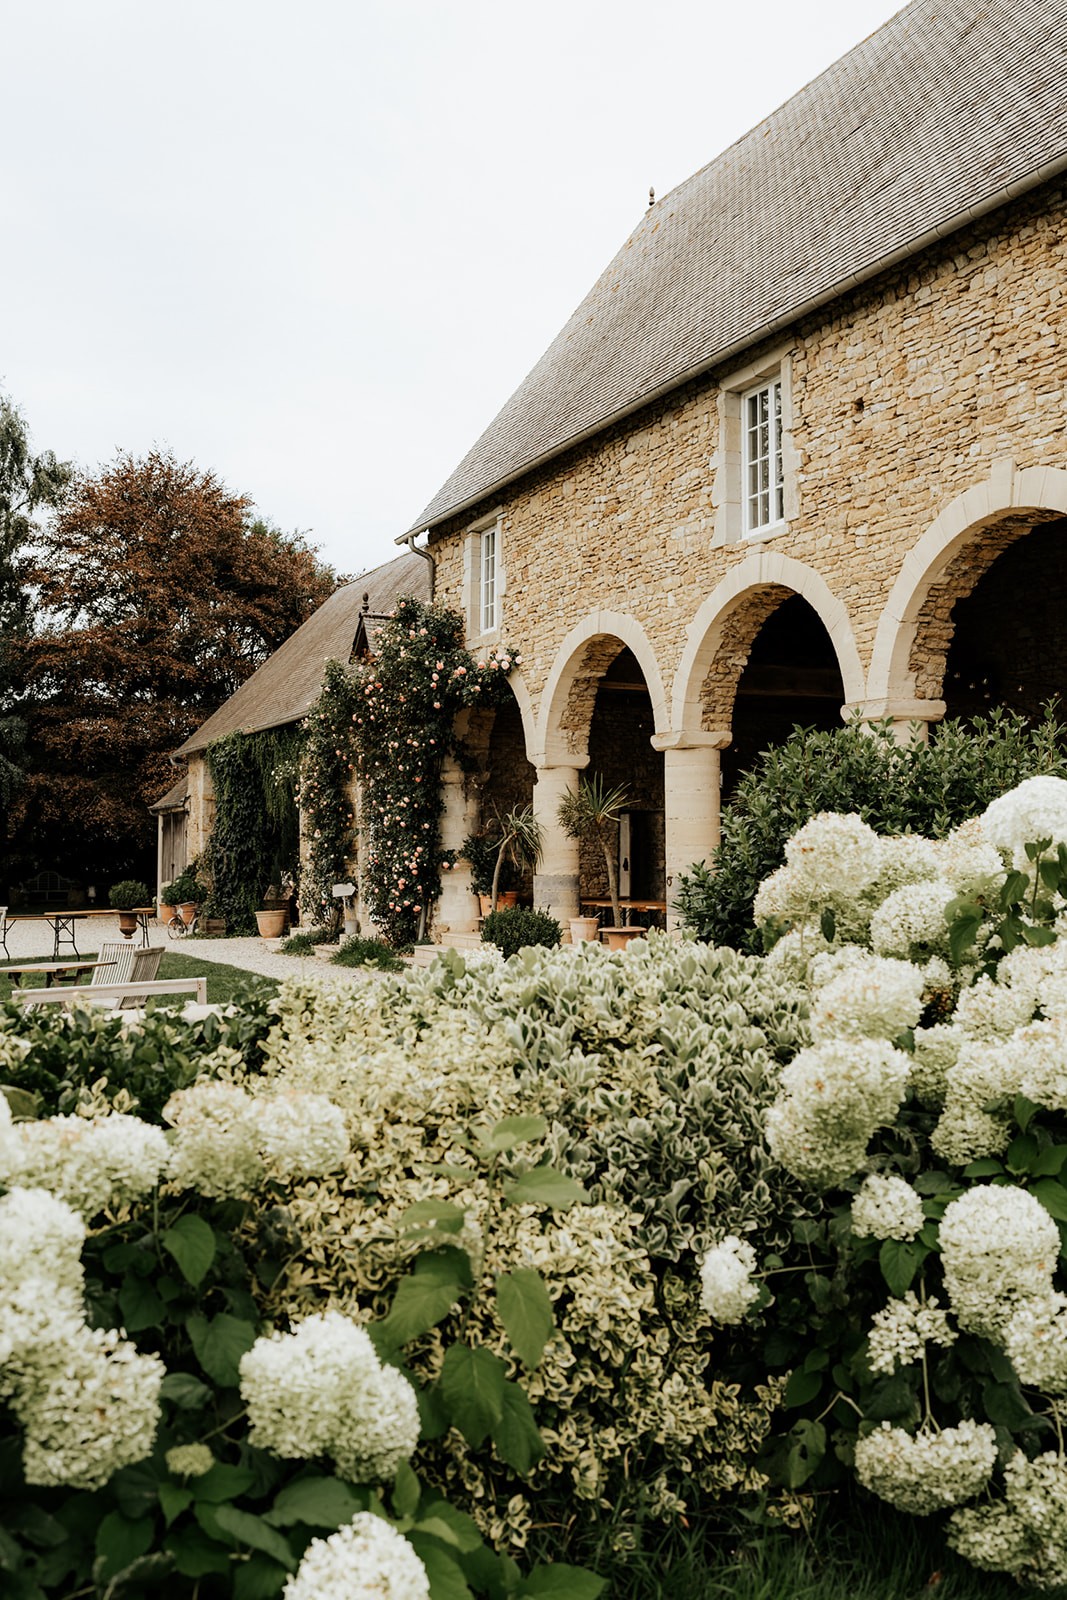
x=626 y=906
x=62 y=924
x=53 y=971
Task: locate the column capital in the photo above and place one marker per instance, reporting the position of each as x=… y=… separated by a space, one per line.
x=896 y=710
x=543 y=766
x=700 y=739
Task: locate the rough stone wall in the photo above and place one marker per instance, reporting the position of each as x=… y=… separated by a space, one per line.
x=905 y=393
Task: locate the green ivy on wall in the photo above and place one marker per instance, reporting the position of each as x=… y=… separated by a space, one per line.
x=324 y=794
x=255 y=837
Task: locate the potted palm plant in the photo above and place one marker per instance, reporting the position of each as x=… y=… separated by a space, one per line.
x=519 y=846
x=480 y=849
x=592 y=813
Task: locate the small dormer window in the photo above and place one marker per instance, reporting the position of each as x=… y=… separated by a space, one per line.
x=763 y=477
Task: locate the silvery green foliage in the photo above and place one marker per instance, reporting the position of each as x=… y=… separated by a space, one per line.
x=655 y=1067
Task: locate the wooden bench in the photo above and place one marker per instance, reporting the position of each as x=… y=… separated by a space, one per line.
x=122 y=994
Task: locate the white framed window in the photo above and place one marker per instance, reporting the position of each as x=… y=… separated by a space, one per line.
x=483 y=577
x=487 y=585
x=762 y=474
x=755 y=487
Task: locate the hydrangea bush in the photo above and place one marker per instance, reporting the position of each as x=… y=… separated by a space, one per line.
x=918 y=1311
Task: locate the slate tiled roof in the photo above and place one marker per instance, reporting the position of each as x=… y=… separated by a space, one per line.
x=948 y=110
x=288 y=683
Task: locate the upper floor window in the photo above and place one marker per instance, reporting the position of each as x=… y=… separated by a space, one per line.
x=487 y=581
x=756 y=487
x=483 y=577
x=763 y=476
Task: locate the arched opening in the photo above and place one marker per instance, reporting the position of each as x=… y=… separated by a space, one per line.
x=1008 y=643
x=621 y=726
x=791 y=678
x=503 y=777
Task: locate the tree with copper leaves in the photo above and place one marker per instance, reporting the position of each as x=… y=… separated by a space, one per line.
x=158 y=594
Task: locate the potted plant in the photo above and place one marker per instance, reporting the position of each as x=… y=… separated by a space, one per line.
x=480 y=849
x=272 y=918
x=125 y=898
x=519 y=846
x=592 y=813
x=186 y=892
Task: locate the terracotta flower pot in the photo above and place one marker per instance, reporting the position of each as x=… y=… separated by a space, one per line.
x=167 y=914
x=619 y=938
x=271 y=924
x=584 y=930
x=188 y=910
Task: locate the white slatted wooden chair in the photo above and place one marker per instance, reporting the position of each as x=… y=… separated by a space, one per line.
x=115 y=962
x=144 y=969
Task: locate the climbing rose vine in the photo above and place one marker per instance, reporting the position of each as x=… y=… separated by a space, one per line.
x=324 y=794
x=406 y=700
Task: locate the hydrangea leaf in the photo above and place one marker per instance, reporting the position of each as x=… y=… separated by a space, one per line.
x=195 y=1554
x=119 y=1542
x=526 y=1312
x=567 y=1583
x=472 y=1382
x=461 y=1530
x=446 y=1579
x=257 y=1534
x=1053 y=1197
x=516 y=1435
x=899 y=1260
x=406 y=1491
x=220 y=1344
x=258 y=1579
x=319 y=1502
x=184 y=1391
x=192 y=1244
x=544 y=1186
x=140 y=1305
x=426 y=1296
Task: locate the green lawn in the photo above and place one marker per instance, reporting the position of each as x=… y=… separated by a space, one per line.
x=223 y=982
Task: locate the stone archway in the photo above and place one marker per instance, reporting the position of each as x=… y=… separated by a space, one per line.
x=954 y=563
x=602 y=708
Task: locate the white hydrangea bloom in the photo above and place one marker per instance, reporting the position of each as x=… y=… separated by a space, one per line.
x=38 y=1318
x=1037 y=1493
x=830 y=963
x=887 y=1207
x=321 y=1390
x=793 y=955
x=1035 y=1339
x=1025 y=1533
x=189 y=1460
x=903 y=1328
x=216 y=1150
x=967 y=860
x=93 y=1164
x=40 y=1237
x=989 y=1010
x=936 y=1051
x=836 y=854
x=999 y=1246
x=903 y=858
x=833 y=1097
x=910 y=923
x=877 y=998
x=1038 y=975
x=92 y=1411
x=783 y=894
x=1034 y=809
x=925 y=1472
x=365 y=1560
x=984 y=1074
x=301 y=1135
x=1038 y=1056
x=727 y=1289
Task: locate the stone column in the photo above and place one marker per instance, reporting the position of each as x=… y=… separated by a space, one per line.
x=910 y=719
x=691 y=803
x=556 y=879
x=457 y=909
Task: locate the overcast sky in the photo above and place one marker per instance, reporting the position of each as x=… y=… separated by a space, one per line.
x=315 y=247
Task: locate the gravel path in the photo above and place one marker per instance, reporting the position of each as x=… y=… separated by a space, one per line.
x=34 y=938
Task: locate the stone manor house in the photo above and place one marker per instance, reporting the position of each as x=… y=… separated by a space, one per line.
x=800 y=453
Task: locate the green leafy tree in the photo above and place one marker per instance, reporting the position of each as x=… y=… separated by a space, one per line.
x=28 y=484
x=158 y=595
